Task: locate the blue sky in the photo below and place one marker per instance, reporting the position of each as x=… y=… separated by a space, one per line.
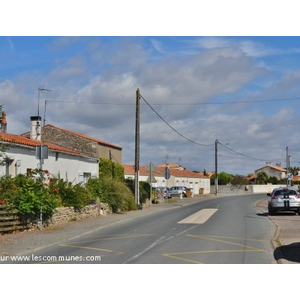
x=203 y=75
x=243 y=91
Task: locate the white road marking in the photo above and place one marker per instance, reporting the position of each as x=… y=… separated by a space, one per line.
x=199 y=217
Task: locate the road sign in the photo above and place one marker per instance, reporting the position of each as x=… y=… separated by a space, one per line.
x=41 y=152
x=167 y=173
x=289 y=176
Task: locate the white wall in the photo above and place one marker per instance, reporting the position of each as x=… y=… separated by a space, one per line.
x=69 y=167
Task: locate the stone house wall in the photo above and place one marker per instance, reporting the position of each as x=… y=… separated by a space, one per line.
x=81 y=143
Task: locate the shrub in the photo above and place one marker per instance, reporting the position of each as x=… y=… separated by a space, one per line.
x=28 y=195
x=144 y=189
x=117 y=195
x=95 y=187
x=70 y=195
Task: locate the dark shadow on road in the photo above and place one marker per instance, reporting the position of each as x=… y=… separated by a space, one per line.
x=289 y=252
x=265 y=214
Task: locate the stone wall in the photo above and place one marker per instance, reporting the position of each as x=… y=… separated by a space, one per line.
x=68 y=214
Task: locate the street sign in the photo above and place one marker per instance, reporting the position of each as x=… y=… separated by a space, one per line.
x=41 y=152
x=151 y=179
x=289 y=176
x=167 y=173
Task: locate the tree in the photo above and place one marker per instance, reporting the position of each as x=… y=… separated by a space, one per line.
x=224 y=178
x=261 y=178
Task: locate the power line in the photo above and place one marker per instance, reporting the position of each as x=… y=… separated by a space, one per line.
x=182 y=104
x=244 y=155
x=172 y=126
x=186 y=104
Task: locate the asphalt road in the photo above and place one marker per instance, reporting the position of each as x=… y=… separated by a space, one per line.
x=223 y=230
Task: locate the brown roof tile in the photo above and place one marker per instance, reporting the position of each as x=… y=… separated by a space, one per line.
x=22 y=140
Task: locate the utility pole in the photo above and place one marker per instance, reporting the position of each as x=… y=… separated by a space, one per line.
x=287 y=160
x=287 y=166
x=137 y=148
x=216 y=166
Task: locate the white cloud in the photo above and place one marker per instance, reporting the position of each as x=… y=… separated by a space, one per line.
x=183 y=91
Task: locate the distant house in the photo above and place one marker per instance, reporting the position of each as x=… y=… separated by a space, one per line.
x=272 y=171
x=77 y=141
x=179 y=176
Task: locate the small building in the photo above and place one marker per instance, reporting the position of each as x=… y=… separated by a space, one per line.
x=272 y=171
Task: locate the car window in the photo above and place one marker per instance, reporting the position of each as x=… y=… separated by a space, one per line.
x=285 y=193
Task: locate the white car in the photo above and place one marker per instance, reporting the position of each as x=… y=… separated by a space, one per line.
x=284 y=199
x=178 y=190
x=166 y=191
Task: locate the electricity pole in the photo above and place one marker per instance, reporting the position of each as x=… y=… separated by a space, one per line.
x=137 y=148
x=216 y=167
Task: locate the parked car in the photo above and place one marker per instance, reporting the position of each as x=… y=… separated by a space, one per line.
x=166 y=191
x=284 y=199
x=177 y=190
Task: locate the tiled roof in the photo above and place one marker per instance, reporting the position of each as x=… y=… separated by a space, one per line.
x=22 y=140
x=273 y=167
x=85 y=136
x=159 y=171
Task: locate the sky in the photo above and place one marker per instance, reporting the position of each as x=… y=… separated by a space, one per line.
x=204 y=85
x=242 y=91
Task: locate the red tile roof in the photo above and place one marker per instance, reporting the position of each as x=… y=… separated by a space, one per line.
x=273 y=167
x=22 y=140
x=160 y=170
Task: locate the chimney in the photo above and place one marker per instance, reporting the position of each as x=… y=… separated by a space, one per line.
x=3 y=122
x=35 y=128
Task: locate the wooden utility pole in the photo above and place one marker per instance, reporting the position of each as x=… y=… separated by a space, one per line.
x=216 y=167
x=137 y=149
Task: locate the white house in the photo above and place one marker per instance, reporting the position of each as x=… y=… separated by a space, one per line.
x=68 y=164
x=272 y=171
x=179 y=176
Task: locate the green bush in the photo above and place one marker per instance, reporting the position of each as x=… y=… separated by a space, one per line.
x=95 y=187
x=28 y=195
x=117 y=195
x=70 y=195
x=144 y=189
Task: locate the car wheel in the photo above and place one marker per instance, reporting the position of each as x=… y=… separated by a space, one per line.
x=271 y=210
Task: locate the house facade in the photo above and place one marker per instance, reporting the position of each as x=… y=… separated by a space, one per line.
x=272 y=171
x=76 y=141
x=21 y=158
x=179 y=176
